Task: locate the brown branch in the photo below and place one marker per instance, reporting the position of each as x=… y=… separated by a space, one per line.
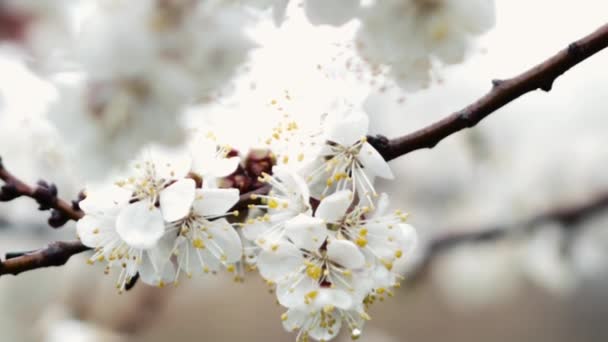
x=569 y=217
x=55 y=254
x=541 y=77
x=45 y=195
x=59 y=252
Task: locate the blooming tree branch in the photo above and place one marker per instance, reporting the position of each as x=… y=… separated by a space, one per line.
x=569 y=217
x=541 y=76
x=59 y=252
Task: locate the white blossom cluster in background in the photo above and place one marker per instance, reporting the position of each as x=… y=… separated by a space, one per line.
x=324 y=239
x=125 y=71
x=402 y=39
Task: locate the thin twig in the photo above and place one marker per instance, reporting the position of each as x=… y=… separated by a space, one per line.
x=569 y=217
x=45 y=194
x=55 y=254
x=541 y=77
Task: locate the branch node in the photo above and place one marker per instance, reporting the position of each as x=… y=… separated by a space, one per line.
x=379 y=142
x=547 y=86
x=9 y=192
x=467 y=117
x=45 y=194
x=76 y=202
x=497 y=83
x=57 y=219
x=574 y=50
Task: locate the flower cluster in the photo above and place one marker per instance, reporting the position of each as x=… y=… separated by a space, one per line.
x=402 y=39
x=324 y=238
x=140 y=64
x=164 y=219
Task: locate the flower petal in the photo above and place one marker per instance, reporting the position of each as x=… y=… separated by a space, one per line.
x=382 y=205
x=326 y=332
x=252 y=231
x=94 y=230
x=212 y=202
x=333 y=207
x=169 y=163
x=294 y=319
x=334 y=12
x=176 y=200
x=373 y=162
x=348 y=130
x=306 y=232
x=345 y=253
x=140 y=225
x=104 y=199
x=152 y=275
x=226 y=239
x=277 y=263
x=409 y=239
x=297 y=294
x=223 y=167
x=334 y=297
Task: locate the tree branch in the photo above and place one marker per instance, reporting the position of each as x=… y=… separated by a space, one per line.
x=59 y=252
x=569 y=217
x=541 y=77
x=55 y=254
x=45 y=195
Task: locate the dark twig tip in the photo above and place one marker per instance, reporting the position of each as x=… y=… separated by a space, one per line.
x=57 y=219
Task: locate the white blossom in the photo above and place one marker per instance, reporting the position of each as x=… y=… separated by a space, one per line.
x=324 y=323
x=408 y=35
x=347 y=160
x=331 y=271
x=288 y=198
x=98 y=229
x=142 y=63
x=210 y=160
x=206 y=241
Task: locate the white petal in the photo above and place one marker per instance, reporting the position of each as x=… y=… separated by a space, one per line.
x=279 y=262
x=334 y=297
x=293 y=294
x=334 y=12
x=278 y=11
x=152 y=275
x=252 y=231
x=349 y=130
x=306 y=232
x=292 y=181
x=410 y=238
x=212 y=202
x=94 y=230
x=161 y=254
x=345 y=253
x=478 y=16
x=333 y=207
x=221 y=167
x=168 y=163
x=294 y=319
x=140 y=225
x=382 y=205
x=326 y=333
x=227 y=239
x=373 y=162
x=176 y=200
x=101 y=200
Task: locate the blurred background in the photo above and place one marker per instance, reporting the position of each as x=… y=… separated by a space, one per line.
x=541 y=151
